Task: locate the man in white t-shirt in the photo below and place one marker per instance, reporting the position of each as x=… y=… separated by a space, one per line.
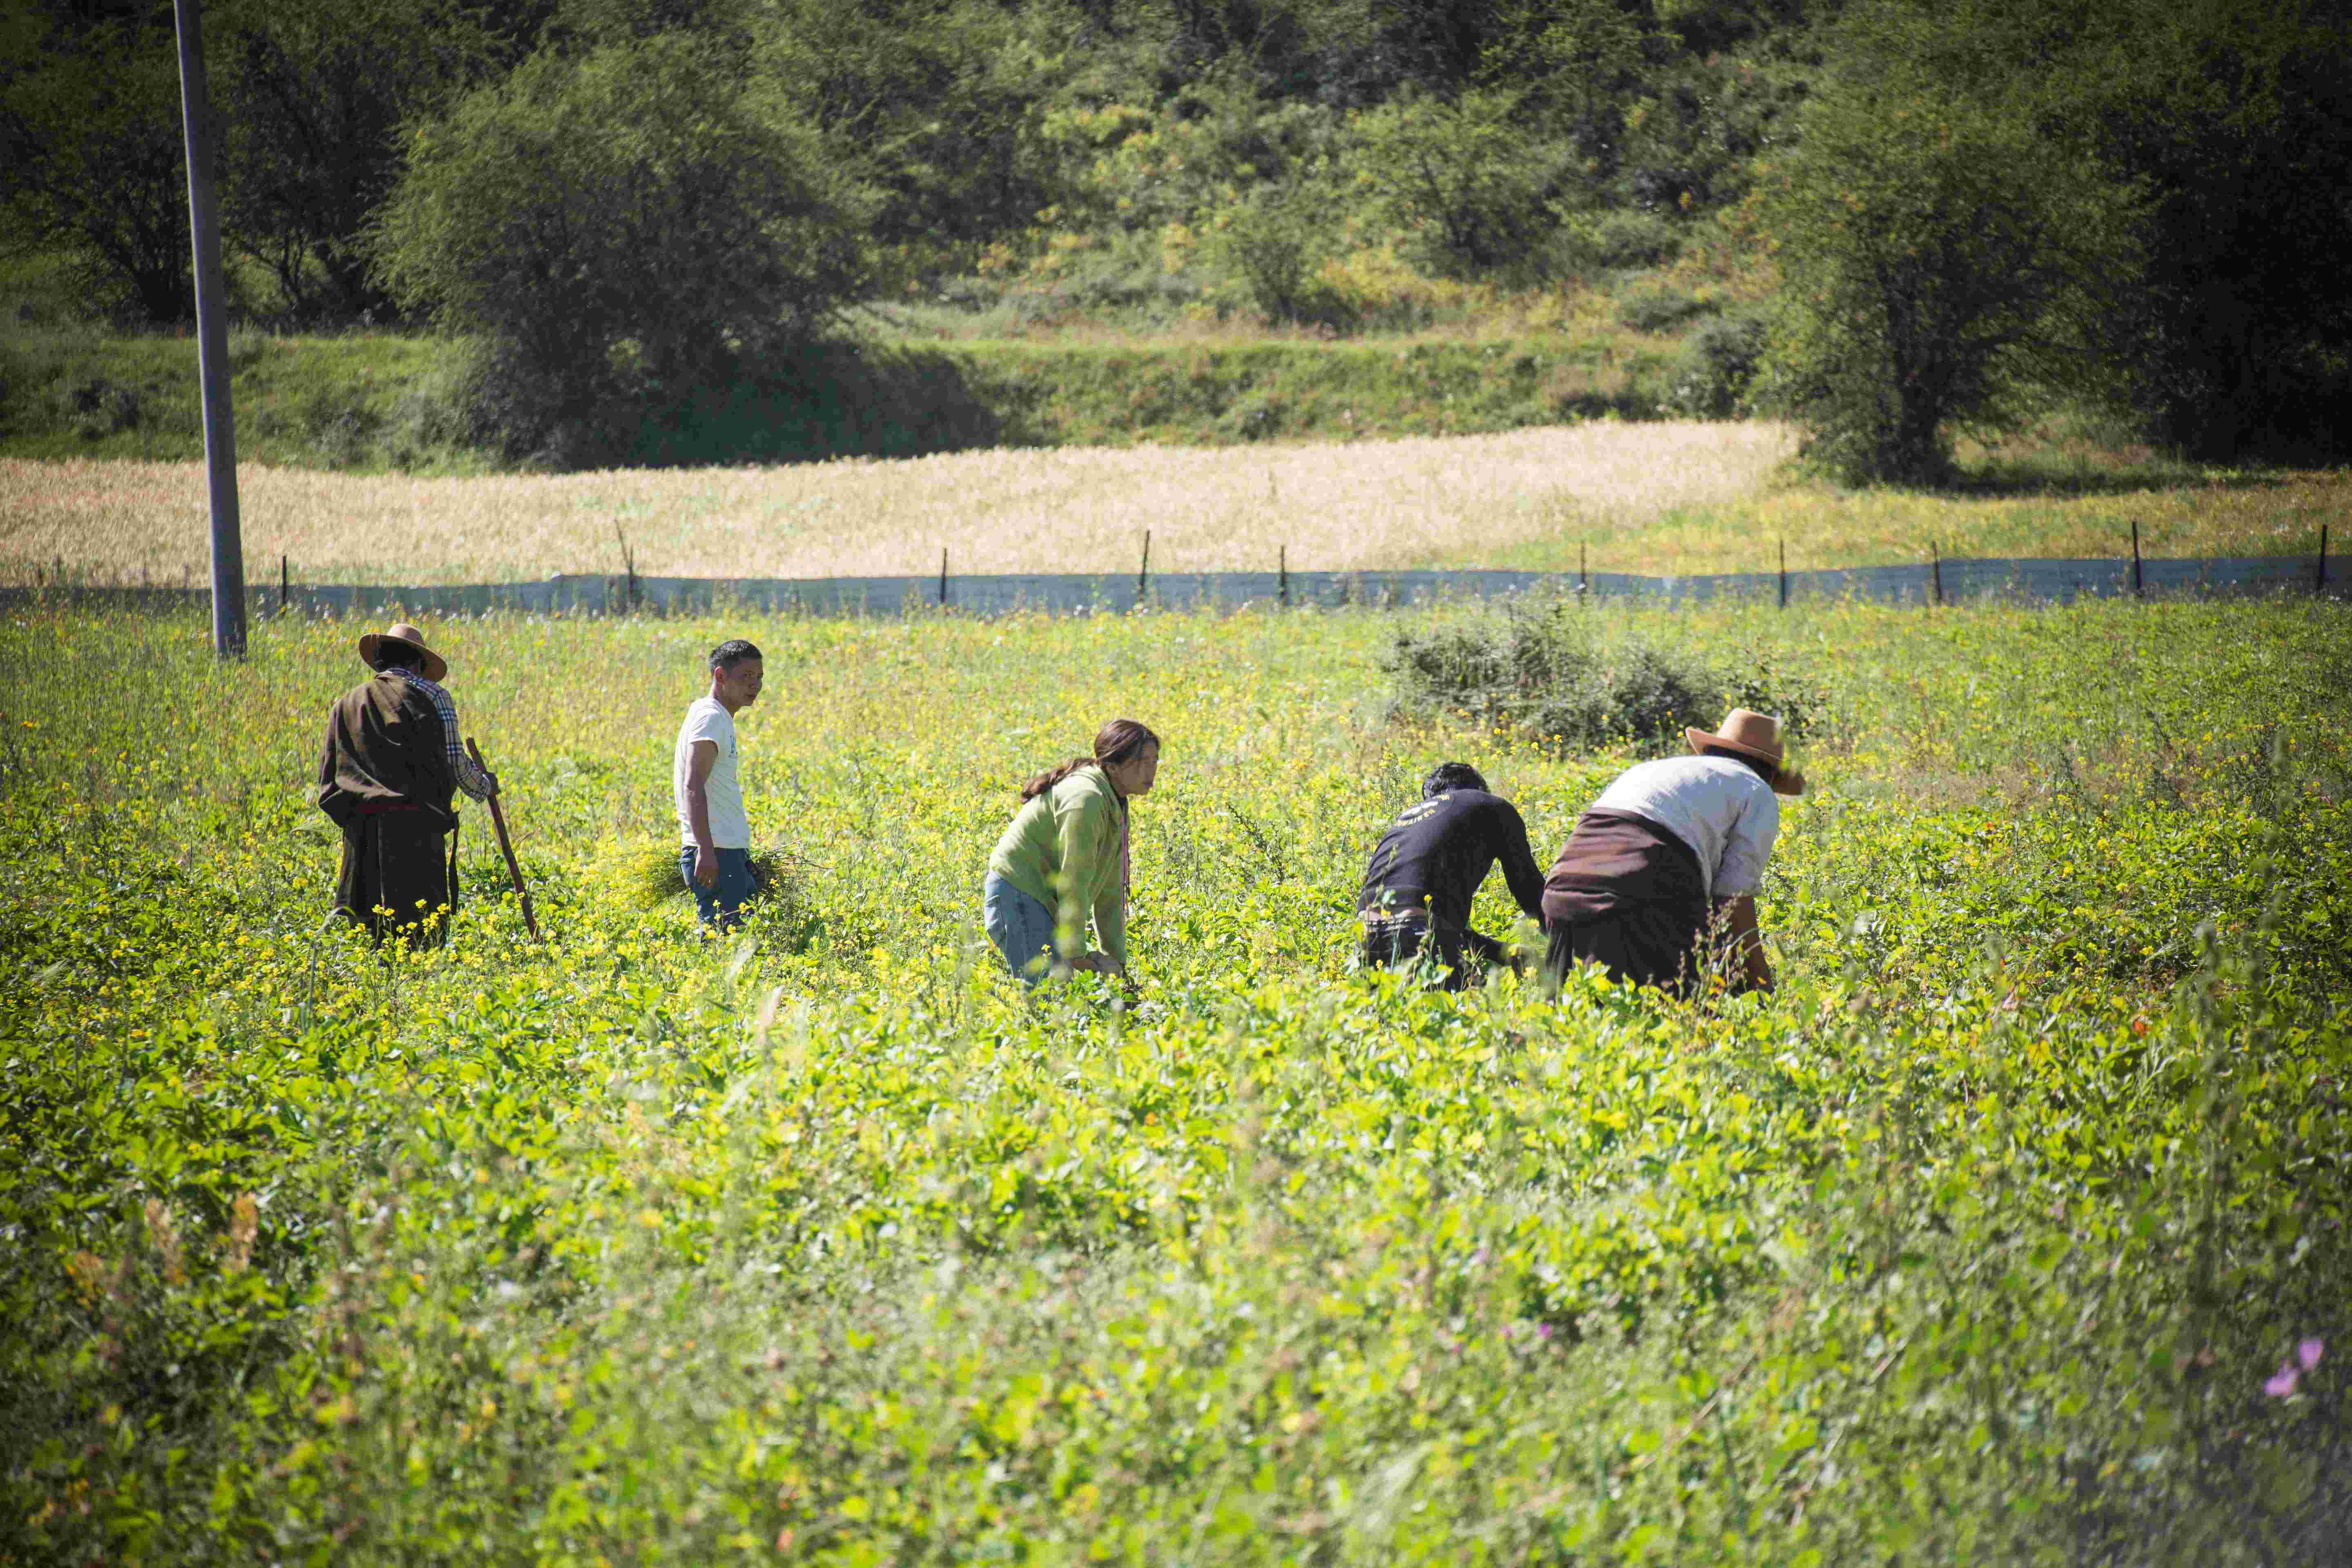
x=1669 y=849
x=714 y=832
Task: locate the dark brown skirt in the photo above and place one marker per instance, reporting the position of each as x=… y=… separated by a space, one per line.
x=394 y=878
x=1626 y=894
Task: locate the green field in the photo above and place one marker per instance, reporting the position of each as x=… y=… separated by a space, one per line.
x=2003 y=1233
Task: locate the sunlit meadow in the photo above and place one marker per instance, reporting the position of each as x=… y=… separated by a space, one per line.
x=2010 y=1229
x=1370 y=504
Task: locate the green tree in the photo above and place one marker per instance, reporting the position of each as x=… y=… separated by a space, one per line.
x=92 y=164
x=2237 y=121
x=1942 y=253
x=937 y=104
x=312 y=100
x=625 y=230
x=1467 y=180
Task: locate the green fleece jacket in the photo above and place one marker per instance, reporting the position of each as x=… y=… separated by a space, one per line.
x=1063 y=850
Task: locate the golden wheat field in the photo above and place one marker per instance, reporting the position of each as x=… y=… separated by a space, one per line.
x=1402 y=503
x=1650 y=498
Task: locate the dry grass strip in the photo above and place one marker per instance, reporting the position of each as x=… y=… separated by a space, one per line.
x=1450 y=500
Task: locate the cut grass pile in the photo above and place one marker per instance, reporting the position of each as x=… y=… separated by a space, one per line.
x=2013 y=1228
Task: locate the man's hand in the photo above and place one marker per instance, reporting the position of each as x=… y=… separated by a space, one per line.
x=489 y=782
x=706 y=865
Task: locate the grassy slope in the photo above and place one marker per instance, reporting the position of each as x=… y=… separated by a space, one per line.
x=1979 y=1242
x=347 y=401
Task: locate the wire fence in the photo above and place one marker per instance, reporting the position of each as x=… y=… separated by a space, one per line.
x=1935 y=582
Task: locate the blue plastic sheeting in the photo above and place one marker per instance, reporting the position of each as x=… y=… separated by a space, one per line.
x=1949 y=582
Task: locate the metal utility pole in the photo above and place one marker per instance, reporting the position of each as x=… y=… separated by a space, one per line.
x=212 y=342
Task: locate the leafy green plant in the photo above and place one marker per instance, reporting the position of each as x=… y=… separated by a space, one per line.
x=1276 y=245
x=2013 y=1226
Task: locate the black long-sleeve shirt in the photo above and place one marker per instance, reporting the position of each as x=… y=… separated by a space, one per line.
x=1439 y=850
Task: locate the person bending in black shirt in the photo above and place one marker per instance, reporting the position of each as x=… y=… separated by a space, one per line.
x=1427 y=867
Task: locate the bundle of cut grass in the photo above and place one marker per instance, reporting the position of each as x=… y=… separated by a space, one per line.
x=644 y=874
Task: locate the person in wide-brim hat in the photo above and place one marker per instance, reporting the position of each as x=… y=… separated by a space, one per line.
x=1753 y=736
x=1672 y=851
x=403 y=645
x=388 y=776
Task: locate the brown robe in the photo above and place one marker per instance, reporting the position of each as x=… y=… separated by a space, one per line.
x=1626 y=894
x=384 y=778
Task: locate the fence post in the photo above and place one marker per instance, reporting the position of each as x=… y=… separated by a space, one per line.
x=1784 y=574
x=282 y=576
x=1936 y=568
x=628 y=564
x=1143 y=572
x=1282 y=571
x=2139 y=587
x=943 y=574
x=2319 y=578
x=1583 y=577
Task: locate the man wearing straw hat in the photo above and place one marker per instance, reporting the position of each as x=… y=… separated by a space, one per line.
x=392 y=767
x=1672 y=848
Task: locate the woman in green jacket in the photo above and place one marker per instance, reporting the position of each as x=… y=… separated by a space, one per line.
x=1065 y=859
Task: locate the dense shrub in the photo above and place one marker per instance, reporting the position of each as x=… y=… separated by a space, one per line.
x=1712 y=377
x=1939 y=266
x=1274 y=246
x=1660 y=309
x=1550 y=676
x=1619 y=240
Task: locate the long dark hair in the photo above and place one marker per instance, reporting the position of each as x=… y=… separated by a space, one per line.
x=1116 y=742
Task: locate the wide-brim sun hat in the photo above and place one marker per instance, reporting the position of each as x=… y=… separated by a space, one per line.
x=429 y=665
x=1752 y=734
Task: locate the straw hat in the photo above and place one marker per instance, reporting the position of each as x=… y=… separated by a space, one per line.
x=1752 y=734
x=429 y=665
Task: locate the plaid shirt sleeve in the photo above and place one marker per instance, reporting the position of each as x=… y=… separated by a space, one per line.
x=470 y=779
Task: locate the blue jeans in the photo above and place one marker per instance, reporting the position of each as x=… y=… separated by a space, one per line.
x=721 y=904
x=1021 y=927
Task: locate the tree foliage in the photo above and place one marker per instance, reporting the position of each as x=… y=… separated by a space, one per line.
x=1938 y=254
x=1983 y=203
x=1466 y=181
x=312 y=100
x=2134 y=202
x=92 y=163
x=2237 y=120
x=623 y=229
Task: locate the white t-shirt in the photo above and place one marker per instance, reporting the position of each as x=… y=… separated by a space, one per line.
x=729 y=828
x=1727 y=814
